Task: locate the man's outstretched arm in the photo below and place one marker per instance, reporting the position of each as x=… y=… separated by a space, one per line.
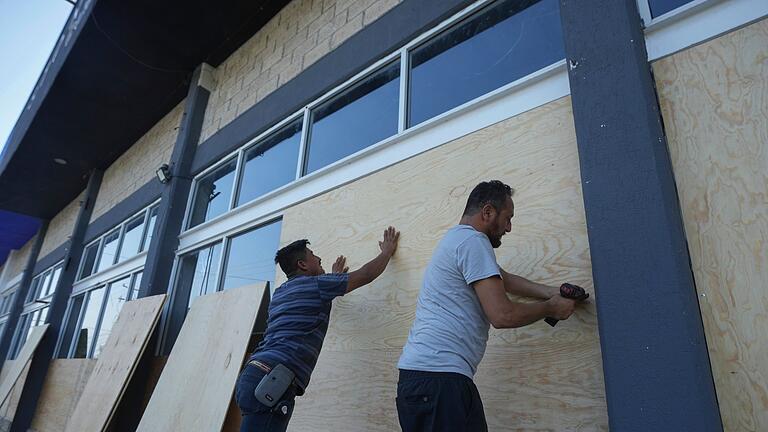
x=520 y=286
x=375 y=267
x=504 y=313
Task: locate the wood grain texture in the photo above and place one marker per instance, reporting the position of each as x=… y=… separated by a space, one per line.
x=534 y=378
x=8 y=408
x=24 y=357
x=115 y=365
x=197 y=383
x=64 y=384
x=714 y=100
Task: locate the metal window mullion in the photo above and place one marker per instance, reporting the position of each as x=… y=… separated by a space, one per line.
x=145 y=229
x=220 y=264
x=236 y=180
x=190 y=200
x=303 y=143
x=402 y=118
x=644 y=8
x=64 y=322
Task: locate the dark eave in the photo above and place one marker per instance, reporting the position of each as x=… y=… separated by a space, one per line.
x=117 y=69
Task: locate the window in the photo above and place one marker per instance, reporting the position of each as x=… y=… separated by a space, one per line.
x=150 y=228
x=271 y=163
x=6 y=301
x=75 y=307
x=92 y=314
x=213 y=194
x=251 y=257
x=361 y=116
x=118 y=293
x=497 y=45
x=27 y=323
x=121 y=243
x=108 y=250
x=136 y=284
x=89 y=259
x=44 y=284
x=200 y=272
x=131 y=238
x=86 y=333
x=660 y=7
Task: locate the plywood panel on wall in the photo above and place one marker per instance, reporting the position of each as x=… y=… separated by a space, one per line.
x=714 y=100
x=63 y=386
x=535 y=378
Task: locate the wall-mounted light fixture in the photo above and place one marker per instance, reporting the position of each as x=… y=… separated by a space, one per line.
x=164 y=173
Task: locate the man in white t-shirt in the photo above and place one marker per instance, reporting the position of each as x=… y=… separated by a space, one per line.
x=463 y=293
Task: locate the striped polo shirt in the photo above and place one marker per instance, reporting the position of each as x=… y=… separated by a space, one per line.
x=298 y=320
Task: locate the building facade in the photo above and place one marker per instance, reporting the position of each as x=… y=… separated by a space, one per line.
x=634 y=132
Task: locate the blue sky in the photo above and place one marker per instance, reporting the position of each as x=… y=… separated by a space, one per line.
x=28 y=31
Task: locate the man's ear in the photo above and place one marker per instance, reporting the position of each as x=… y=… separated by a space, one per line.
x=302 y=265
x=488 y=212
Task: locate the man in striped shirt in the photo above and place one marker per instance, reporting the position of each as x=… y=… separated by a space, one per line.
x=298 y=320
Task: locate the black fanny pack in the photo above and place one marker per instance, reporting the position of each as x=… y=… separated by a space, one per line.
x=274 y=385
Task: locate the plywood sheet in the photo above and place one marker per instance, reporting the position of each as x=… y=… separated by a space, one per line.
x=197 y=383
x=714 y=100
x=24 y=357
x=534 y=378
x=64 y=383
x=115 y=365
x=8 y=408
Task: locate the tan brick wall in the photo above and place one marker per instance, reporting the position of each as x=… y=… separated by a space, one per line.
x=18 y=260
x=138 y=164
x=300 y=34
x=61 y=226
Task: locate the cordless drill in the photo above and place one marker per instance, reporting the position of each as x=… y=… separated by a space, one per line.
x=569 y=291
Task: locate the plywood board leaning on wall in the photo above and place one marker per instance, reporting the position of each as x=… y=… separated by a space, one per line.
x=64 y=383
x=118 y=359
x=197 y=383
x=535 y=378
x=8 y=408
x=714 y=100
x=24 y=357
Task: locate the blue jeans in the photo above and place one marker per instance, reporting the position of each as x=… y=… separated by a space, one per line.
x=257 y=416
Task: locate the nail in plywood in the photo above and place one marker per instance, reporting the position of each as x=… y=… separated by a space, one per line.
x=196 y=386
x=115 y=365
x=533 y=378
x=24 y=357
x=714 y=100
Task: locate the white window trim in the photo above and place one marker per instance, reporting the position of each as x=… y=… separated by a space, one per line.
x=534 y=90
x=100 y=240
x=698 y=22
x=112 y=273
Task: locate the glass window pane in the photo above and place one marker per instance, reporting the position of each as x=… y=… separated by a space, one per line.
x=109 y=250
x=85 y=336
x=251 y=257
x=136 y=285
x=33 y=288
x=54 y=280
x=361 y=116
x=21 y=335
x=131 y=238
x=116 y=297
x=205 y=267
x=660 y=7
x=42 y=315
x=213 y=193
x=89 y=259
x=150 y=229
x=271 y=163
x=45 y=285
x=497 y=45
x=69 y=329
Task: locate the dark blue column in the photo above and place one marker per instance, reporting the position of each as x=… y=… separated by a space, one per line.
x=655 y=360
x=41 y=360
x=21 y=294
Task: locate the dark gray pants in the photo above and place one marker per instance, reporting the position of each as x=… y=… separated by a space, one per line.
x=439 y=401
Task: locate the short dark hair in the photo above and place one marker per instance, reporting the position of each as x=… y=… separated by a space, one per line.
x=492 y=192
x=288 y=257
